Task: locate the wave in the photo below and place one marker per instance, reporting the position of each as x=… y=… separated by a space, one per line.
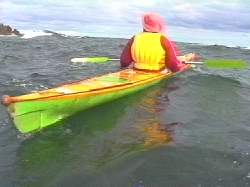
x=67 y=33
x=27 y=34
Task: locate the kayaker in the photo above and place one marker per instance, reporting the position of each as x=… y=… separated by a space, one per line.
x=151 y=49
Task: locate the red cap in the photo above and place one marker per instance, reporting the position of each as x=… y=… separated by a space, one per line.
x=153 y=22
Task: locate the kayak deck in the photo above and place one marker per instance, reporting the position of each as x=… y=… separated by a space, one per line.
x=38 y=110
x=112 y=80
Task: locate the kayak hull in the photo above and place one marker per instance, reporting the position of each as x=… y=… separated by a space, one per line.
x=35 y=111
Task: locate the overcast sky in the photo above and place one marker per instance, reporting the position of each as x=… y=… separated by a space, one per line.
x=211 y=14
x=223 y=15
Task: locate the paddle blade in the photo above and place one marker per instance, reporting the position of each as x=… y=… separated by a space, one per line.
x=90 y=59
x=226 y=64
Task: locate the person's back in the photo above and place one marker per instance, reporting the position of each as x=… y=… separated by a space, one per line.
x=147 y=51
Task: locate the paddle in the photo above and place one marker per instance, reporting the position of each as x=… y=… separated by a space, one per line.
x=211 y=63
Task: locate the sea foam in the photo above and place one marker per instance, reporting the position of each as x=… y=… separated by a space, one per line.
x=31 y=33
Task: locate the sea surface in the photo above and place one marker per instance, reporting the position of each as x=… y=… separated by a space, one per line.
x=190 y=131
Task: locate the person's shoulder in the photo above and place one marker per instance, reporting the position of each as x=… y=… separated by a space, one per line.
x=164 y=36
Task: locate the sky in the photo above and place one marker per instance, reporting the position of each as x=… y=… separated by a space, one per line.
x=123 y=17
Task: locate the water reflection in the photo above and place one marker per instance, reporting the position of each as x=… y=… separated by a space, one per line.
x=95 y=139
x=156 y=135
x=153 y=106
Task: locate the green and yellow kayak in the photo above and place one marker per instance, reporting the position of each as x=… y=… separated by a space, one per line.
x=35 y=111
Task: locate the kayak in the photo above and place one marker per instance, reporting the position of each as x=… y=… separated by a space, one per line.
x=41 y=109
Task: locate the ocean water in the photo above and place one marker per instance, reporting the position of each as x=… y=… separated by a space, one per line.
x=191 y=130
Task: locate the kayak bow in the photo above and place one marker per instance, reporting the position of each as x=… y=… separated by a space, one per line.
x=35 y=111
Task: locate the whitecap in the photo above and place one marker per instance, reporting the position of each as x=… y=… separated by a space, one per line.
x=31 y=33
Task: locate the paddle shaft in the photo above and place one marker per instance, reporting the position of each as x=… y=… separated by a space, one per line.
x=191 y=62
